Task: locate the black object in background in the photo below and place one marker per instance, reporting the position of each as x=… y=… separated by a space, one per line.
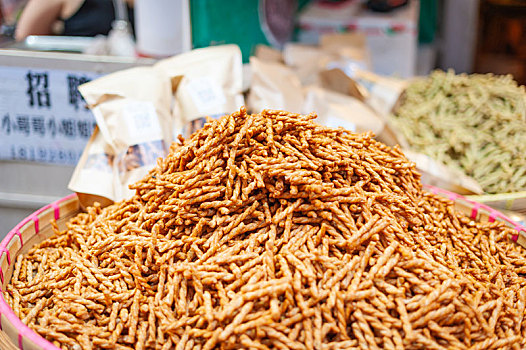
x=385 y=5
x=94 y=17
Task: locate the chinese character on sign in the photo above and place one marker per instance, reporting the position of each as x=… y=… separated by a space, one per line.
x=22 y=124
x=84 y=128
x=67 y=128
x=52 y=127
x=6 y=124
x=38 y=125
x=73 y=92
x=37 y=90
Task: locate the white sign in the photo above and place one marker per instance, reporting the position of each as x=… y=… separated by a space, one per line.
x=43 y=117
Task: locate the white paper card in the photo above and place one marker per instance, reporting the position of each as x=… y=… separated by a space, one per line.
x=206 y=94
x=141 y=121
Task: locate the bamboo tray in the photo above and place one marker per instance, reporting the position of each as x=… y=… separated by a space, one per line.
x=36 y=227
x=31 y=231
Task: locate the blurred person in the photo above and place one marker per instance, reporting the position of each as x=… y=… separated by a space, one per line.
x=68 y=17
x=11 y=9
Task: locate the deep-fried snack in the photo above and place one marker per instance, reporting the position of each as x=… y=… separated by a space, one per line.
x=269 y=231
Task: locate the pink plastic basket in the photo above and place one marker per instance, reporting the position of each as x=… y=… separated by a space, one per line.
x=32 y=230
x=36 y=227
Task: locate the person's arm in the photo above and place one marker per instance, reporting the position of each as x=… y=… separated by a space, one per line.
x=38 y=18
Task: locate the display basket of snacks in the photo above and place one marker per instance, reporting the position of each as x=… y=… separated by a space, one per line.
x=475 y=124
x=267 y=231
x=28 y=233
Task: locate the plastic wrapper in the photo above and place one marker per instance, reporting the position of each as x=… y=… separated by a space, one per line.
x=437 y=174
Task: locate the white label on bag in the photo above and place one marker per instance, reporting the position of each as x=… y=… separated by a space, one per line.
x=335 y=122
x=206 y=94
x=142 y=121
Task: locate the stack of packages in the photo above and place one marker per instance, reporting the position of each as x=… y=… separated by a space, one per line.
x=306 y=79
x=464 y=133
x=141 y=111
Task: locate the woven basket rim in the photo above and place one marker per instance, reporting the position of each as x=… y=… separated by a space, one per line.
x=25 y=331
x=493 y=214
x=497 y=196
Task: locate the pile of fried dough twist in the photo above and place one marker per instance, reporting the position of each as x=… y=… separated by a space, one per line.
x=269 y=231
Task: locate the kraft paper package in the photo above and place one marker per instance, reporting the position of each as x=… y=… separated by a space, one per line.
x=268 y=54
x=382 y=92
x=93 y=176
x=342 y=63
x=335 y=110
x=132 y=110
x=379 y=92
x=307 y=61
x=351 y=49
x=336 y=80
x=341 y=101
x=206 y=82
x=346 y=51
x=274 y=86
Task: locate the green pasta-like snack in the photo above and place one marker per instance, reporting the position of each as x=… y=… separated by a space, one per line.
x=475 y=123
